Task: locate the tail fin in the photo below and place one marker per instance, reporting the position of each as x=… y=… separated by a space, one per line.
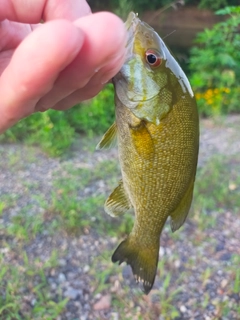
x=143 y=261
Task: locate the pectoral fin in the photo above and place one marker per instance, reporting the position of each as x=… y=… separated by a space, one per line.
x=118 y=202
x=142 y=141
x=109 y=139
x=180 y=214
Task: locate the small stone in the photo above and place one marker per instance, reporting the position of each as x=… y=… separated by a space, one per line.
x=224 y=282
x=183 y=309
x=33 y=302
x=226 y=256
x=177 y=263
x=98 y=296
x=62 y=262
x=103 y=303
x=53 y=272
x=78 y=304
x=61 y=278
x=127 y=272
x=53 y=286
x=161 y=251
x=114 y=316
x=86 y=269
x=71 y=276
x=4 y=250
x=116 y=286
x=71 y=293
x=220 y=246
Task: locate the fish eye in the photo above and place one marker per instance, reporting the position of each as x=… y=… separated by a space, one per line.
x=153 y=58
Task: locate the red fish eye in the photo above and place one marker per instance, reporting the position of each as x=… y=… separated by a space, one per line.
x=153 y=58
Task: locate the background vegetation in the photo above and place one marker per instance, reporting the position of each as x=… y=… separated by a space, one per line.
x=215 y=65
x=141 y=5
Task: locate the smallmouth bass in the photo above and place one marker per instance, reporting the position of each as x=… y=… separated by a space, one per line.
x=157 y=131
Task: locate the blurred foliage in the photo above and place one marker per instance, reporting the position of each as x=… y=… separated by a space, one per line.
x=215 y=65
x=94 y=116
x=122 y=7
x=50 y=130
x=55 y=131
x=216 y=4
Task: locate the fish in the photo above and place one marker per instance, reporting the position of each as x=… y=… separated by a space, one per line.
x=157 y=133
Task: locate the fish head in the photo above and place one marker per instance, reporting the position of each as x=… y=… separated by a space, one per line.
x=150 y=75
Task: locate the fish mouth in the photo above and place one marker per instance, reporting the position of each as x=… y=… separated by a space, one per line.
x=133 y=26
x=132 y=21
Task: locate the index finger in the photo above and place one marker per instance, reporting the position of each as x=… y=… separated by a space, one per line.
x=34 y=11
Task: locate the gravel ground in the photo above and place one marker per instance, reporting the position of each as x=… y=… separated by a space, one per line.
x=73 y=276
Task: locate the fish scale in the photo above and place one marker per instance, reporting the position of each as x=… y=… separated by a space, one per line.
x=157 y=132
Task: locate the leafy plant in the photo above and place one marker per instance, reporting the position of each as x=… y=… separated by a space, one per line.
x=141 y=5
x=215 y=65
x=216 y=4
x=54 y=131
x=94 y=116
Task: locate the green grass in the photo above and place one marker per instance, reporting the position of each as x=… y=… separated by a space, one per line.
x=217 y=189
x=76 y=205
x=24 y=226
x=18 y=281
x=78 y=199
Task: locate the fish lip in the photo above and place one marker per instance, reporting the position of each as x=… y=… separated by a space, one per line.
x=132 y=21
x=131 y=27
x=134 y=25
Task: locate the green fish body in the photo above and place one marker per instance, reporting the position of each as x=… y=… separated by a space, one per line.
x=157 y=131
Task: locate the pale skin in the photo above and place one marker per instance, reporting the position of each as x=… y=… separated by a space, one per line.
x=58 y=63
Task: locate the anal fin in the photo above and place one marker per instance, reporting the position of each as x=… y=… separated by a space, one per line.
x=118 y=202
x=179 y=215
x=109 y=139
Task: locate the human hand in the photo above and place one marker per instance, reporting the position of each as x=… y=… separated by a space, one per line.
x=59 y=63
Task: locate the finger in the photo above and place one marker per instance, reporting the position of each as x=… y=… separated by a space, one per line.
x=77 y=96
x=12 y=33
x=97 y=60
x=34 y=68
x=86 y=93
x=35 y=11
x=93 y=87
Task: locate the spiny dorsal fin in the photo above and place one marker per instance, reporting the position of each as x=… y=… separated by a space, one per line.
x=109 y=139
x=118 y=202
x=179 y=215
